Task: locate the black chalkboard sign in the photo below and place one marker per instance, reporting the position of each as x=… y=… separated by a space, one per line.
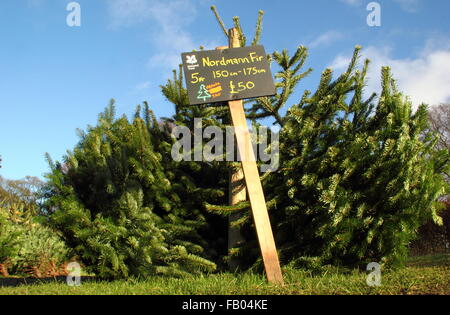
x=226 y=75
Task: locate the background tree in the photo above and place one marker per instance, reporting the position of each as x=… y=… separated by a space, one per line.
x=432 y=237
x=26 y=245
x=24 y=191
x=439 y=118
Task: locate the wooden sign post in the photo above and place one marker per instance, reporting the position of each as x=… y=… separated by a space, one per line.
x=253 y=182
x=199 y=85
x=237 y=194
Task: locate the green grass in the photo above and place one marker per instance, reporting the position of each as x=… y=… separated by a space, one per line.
x=423 y=275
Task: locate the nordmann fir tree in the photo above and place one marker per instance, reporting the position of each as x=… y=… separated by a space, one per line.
x=211 y=178
x=288 y=77
x=355 y=186
x=114 y=198
x=208 y=180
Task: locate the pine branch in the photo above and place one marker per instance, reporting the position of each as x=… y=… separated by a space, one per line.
x=237 y=25
x=258 y=30
x=219 y=20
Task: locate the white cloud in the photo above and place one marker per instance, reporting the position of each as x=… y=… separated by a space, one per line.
x=425 y=79
x=326 y=39
x=35 y=3
x=168 y=19
x=352 y=2
x=164 y=60
x=406 y=5
x=142 y=86
x=127 y=12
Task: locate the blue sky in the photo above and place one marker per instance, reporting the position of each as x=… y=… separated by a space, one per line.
x=55 y=78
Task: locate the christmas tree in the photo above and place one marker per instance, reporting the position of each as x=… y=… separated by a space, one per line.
x=209 y=180
x=115 y=200
x=356 y=184
x=357 y=178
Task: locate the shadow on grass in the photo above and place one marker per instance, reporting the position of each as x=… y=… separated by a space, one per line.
x=16 y=282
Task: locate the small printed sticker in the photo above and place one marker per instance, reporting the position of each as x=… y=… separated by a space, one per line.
x=215 y=89
x=192 y=62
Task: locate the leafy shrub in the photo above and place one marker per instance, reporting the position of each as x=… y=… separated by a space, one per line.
x=27 y=246
x=41 y=252
x=10 y=241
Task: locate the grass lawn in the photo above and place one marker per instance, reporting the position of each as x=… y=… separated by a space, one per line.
x=423 y=275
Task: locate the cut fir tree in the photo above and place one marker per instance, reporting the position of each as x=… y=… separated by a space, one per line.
x=115 y=201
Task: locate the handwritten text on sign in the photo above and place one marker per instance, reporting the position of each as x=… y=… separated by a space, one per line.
x=226 y=75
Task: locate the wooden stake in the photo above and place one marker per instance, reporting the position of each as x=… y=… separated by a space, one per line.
x=253 y=183
x=237 y=194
